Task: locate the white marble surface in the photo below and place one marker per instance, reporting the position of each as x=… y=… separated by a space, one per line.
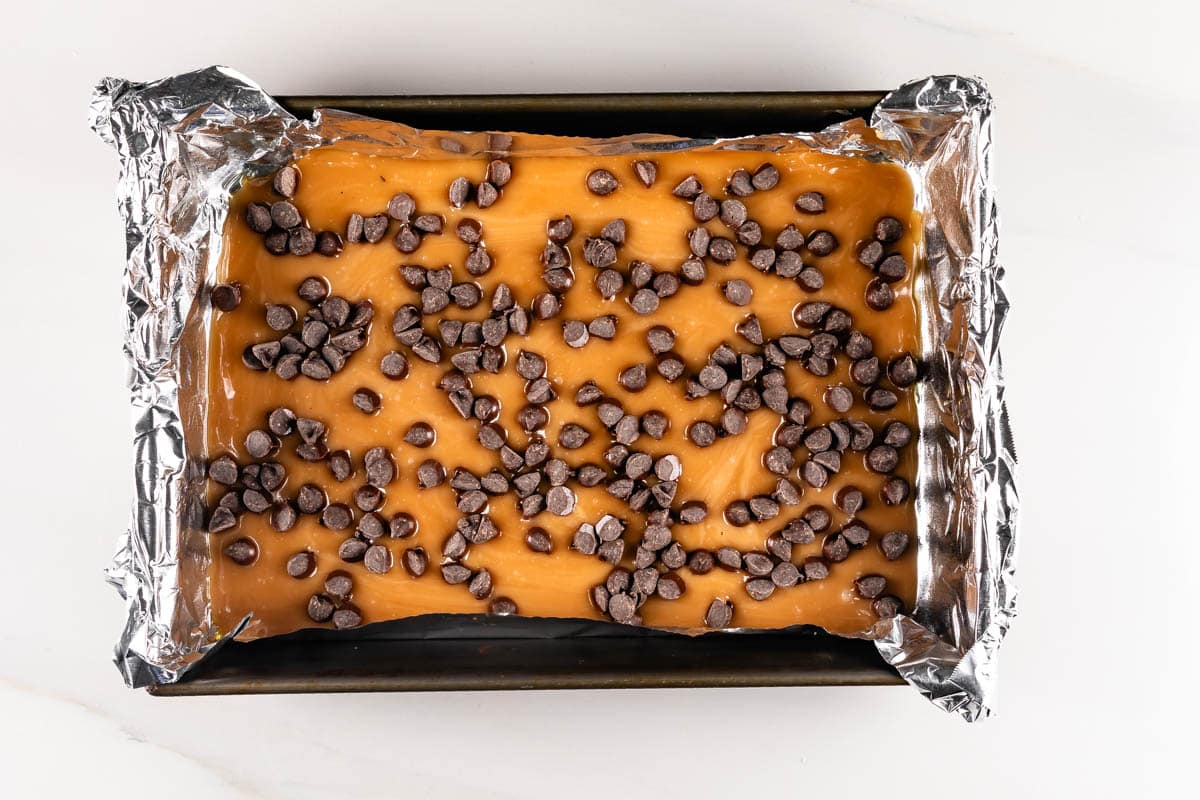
x=1099 y=231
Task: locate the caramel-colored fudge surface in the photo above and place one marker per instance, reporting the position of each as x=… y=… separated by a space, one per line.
x=335 y=182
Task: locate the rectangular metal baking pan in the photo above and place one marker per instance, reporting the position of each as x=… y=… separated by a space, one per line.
x=478 y=652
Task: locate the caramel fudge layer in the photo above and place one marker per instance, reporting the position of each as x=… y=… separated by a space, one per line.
x=668 y=390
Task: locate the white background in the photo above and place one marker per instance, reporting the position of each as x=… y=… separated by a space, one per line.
x=1096 y=167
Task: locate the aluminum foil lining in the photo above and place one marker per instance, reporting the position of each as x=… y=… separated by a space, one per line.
x=186 y=143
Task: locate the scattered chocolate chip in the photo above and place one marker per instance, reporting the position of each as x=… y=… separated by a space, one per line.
x=722 y=250
x=760 y=588
x=655 y=424
x=701 y=434
x=242 y=551
x=865 y=371
x=737 y=292
x=893 y=544
x=835 y=548
x=227 y=296
x=815 y=568
x=895 y=491
x=893 y=268
x=839 y=398
x=719 y=614
x=415 y=561
x=811 y=203
x=646 y=171
x=740 y=183
x=258 y=217
x=879 y=295
x=887 y=606
x=888 y=229
x=601 y=182
x=480 y=586
x=366 y=400
x=870 y=586
x=903 y=370
x=402 y=525
x=633 y=378
x=502 y=606
x=320 y=608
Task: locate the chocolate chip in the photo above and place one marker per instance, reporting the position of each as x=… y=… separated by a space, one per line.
x=895 y=491
x=601 y=182
x=692 y=271
x=499 y=172
x=835 y=548
x=737 y=292
x=276 y=241
x=366 y=400
x=644 y=301
x=459 y=191
x=622 y=607
x=760 y=588
x=865 y=371
x=779 y=547
x=733 y=213
x=798 y=531
x=740 y=183
x=320 y=608
x=903 y=370
x=893 y=268
x=763 y=507
x=502 y=606
x=839 y=398
x=654 y=424
x=614 y=232
x=379 y=467
x=856 y=534
x=584 y=540
x=738 y=514
x=811 y=203
x=633 y=378
x=258 y=217
x=378 y=559
x=887 y=607
x=478 y=262
x=778 y=460
x=455 y=574
x=757 y=564
x=480 y=586
x=704 y=207
x=880 y=399
x=893 y=545
x=352 y=549
x=693 y=512
x=786 y=493
x=328 y=244
x=415 y=561
x=227 y=297
x=815 y=569
x=701 y=434
x=879 y=295
x=870 y=586
x=719 y=614
x=375 y=228
x=560 y=501
x=575 y=333
x=469 y=230
x=604 y=327
x=402 y=525
x=870 y=254
x=733 y=421
x=223 y=470
x=722 y=250
x=223 y=518
x=285 y=214
x=646 y=171
x=260 y=444
x=814 y=474
x=749 y=233
x=821 y=243
x=401 y=207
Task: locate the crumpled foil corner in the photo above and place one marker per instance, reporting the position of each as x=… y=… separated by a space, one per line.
x=186 y=142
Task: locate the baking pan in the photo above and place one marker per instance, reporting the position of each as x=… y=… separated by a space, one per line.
x=464 y=652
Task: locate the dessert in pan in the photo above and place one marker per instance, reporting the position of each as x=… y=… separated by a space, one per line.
x=668 y=388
